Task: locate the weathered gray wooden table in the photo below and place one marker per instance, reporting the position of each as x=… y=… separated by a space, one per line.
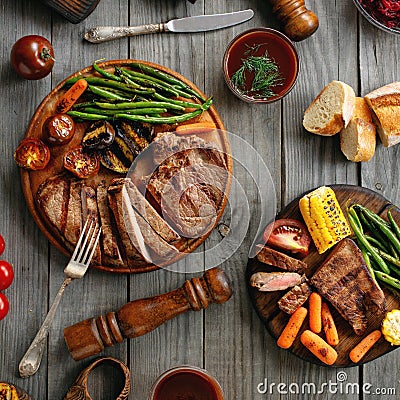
x=227 y=340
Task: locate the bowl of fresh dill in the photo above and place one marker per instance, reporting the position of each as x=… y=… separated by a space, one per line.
x=260 y=65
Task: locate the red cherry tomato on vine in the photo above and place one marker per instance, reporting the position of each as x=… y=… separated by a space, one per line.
x=6 y=274
x=2 y=245
x=32 y=57
x=4 y=305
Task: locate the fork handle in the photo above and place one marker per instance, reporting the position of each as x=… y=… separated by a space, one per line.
x=30 y=362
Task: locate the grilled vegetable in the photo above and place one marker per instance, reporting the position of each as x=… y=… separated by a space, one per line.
x=98 y=136
x=118 y=157
x=59 y=129
x=288 y=235
x=70 y=97
x=358 y=352
x=324 y=218
x=8 y=392
x=32 y=154
x=140 y=133
x=80 y=163
x=391 y=327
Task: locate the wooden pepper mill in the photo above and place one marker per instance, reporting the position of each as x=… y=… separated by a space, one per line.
x=299 y=22
x=139 y=317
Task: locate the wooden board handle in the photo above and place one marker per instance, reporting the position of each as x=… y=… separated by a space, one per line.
x=299 y=22
x=139 y=317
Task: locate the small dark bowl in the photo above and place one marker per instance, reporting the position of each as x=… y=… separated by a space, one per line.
x=279 y=48
x=372 y=20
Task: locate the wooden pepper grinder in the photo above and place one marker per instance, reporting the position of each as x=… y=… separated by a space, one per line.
x=299 y=22
x=139 y=317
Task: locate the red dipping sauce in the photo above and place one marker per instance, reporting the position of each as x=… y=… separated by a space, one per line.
x=186 y=383
x=279 y=48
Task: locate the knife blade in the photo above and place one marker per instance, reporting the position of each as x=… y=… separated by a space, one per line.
x=199 y=23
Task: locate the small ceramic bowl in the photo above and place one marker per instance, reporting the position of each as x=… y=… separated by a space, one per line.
x=373 y=19
x=73 y=10
x=186 y=382
x=257 y=42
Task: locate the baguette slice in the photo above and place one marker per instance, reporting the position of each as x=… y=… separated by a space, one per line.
x=331 y=110
x=385 y=104
x=358 y=139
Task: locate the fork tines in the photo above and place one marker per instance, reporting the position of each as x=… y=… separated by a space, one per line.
x=87 y=242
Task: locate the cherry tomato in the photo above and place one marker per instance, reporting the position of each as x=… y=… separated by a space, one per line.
x=59 y=129
x=81 y=163
x=32 y=57
x=2 y=245
x=6 y=274
x=288 y=235
x=32 y=154
x=4 y=305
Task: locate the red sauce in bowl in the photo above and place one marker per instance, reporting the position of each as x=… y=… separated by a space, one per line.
x=279 y=48
x=186 y=383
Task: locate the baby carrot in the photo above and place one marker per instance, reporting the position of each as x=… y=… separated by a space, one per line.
x=319 y=347
x=364 y=346
x=315 y=304
x=328 y=323
x=197 y=127
x=292 y=328
x=69 y=98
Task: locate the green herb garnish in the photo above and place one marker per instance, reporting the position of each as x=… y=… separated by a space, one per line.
x=266 y=74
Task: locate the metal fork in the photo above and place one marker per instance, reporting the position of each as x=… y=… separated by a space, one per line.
x=75 y=269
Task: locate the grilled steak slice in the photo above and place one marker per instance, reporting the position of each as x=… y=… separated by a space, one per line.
x=52 y=198
x=111 y=252
x=277 y=259
x=74 y=213
x=132 y=255
x=271 y=281
x=90 y=212
x=344 y=280
x=189 y=183
x=146 y=210
x=294 y=298
x=154 y=248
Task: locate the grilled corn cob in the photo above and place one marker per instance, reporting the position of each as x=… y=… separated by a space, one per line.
x=391 y=327
x=324 y=218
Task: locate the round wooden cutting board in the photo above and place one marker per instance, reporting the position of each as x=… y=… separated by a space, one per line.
x=265 y=303
x=31 y=180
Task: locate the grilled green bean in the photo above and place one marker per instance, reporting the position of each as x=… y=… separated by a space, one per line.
x=136 y=111
x=393 y=224
x=105 y=73
x=388 y=257
x=388 y=279
x=186 y=104
x=104 y=93
x=138 y=104
x=85 y=116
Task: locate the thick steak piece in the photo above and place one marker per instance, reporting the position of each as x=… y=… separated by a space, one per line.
x=109 y=236
x=279 y=260
x=344 y=280
x=74 y=213
x=294 y=298
x=272 y=281
x=52 y=198
x=147 y=212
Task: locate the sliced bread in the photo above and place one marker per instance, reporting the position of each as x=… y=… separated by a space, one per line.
x=331 y=110
x=385 y=105
x=358 y=139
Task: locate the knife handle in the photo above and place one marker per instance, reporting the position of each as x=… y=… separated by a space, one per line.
x=139 y=317
x=101 y=34
x=299 y=22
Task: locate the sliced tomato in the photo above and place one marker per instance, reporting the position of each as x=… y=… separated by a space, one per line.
x=59 y=129
x=81 y=163
x=32 y=154
x=288 y=235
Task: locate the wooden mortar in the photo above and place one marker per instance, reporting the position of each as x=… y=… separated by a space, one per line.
x=139 y=317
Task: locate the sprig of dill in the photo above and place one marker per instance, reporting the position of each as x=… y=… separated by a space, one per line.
x=266 y=74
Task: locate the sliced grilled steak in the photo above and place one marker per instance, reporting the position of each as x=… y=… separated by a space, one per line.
x=295 y=298
x=152 y=246
x=90 y=212
x=145 y=209
x=272 y=281
x=132 y=255
x=111 y=252
x=52 y=198
x=74 y=213
x=279 y=260
x=344 y=280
